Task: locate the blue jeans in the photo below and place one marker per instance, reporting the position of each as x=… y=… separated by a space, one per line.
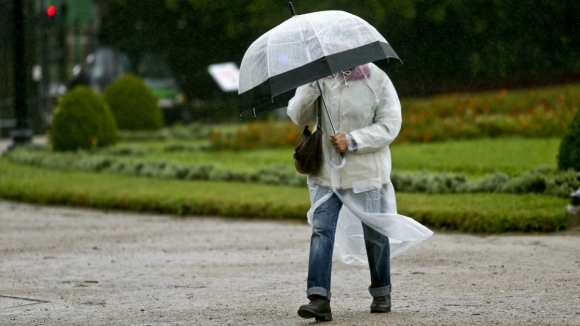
x=322 y=245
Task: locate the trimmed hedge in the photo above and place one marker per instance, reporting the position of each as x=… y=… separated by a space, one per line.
x=133 y=104
x=82 y=120
x=125 y=160
x=487 y=213
x=177 y=131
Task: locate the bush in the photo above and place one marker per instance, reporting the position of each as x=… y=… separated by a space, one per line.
x=133 y=104
x=490 y=183
x=569 y=153
x=82 y=120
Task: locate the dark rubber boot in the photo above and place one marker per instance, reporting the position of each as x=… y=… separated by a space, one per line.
x=381 y=304
x=318 y=308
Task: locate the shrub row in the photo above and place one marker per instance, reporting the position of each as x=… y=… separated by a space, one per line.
x=539 y=181
x=107 y=163
x=191 y=131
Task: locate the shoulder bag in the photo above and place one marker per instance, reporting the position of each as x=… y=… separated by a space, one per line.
x=308 y=153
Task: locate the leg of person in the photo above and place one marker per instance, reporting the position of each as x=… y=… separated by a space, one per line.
x=378 y=253
x=320 y=261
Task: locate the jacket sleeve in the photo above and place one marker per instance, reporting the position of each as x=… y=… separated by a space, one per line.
x=386 y=122
x=302 y=107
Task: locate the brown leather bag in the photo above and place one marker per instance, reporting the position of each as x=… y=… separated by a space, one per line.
x=308 y=153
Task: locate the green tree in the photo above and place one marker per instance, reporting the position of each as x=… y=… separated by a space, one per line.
x=444 y=44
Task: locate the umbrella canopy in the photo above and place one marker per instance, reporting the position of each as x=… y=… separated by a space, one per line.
x=303 y=49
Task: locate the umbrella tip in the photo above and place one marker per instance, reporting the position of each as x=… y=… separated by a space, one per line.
x=292 y=9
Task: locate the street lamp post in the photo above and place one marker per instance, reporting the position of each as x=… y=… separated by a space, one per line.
x=21 y=134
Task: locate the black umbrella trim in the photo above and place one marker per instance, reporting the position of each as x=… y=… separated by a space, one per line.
x=276 y=91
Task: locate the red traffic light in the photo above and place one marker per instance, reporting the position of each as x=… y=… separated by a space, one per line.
x=51 y=11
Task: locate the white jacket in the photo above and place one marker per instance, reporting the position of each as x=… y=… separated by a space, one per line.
x=369 y=110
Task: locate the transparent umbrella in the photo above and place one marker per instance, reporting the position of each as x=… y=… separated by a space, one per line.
x=307 y=48
x=303 y=49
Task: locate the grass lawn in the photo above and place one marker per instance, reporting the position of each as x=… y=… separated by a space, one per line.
x=472 y=157
x=476 y=157
x=112 y=191
x=239 y=161
x=467 y=212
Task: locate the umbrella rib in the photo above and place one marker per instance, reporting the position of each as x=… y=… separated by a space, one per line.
x=267 y=56
x=316 y=35
x=289 y=43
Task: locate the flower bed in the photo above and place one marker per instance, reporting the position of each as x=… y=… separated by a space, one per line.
x=541 y=112
x=267 y=134
x=530 y=113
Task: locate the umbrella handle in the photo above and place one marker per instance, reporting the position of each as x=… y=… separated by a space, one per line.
x=334 y=166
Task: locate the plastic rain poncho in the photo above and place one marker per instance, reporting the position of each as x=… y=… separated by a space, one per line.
x=363 y=104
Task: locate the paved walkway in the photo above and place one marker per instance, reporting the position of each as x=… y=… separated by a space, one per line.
x=6 y=142
x=64 y=266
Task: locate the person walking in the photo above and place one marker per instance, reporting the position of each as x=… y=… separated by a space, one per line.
x=353 y=206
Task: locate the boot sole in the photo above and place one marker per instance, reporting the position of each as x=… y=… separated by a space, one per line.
x=304 y=313
x=380 y=311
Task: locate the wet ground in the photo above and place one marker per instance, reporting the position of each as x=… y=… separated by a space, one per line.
x=65 y=266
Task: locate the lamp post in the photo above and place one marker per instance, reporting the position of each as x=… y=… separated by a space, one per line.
x=21 y=134
x=574 y=207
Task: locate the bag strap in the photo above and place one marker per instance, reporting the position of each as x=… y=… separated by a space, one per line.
x=319 y=109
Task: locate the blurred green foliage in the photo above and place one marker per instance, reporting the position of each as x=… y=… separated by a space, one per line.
x=445 y=44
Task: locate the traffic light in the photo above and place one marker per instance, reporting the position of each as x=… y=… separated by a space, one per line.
x=54 y=14
x=51 y=11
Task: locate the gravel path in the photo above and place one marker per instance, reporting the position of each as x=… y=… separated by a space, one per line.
x=64 y=266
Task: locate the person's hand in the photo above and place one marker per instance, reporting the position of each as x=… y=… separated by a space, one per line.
x=339 y=143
